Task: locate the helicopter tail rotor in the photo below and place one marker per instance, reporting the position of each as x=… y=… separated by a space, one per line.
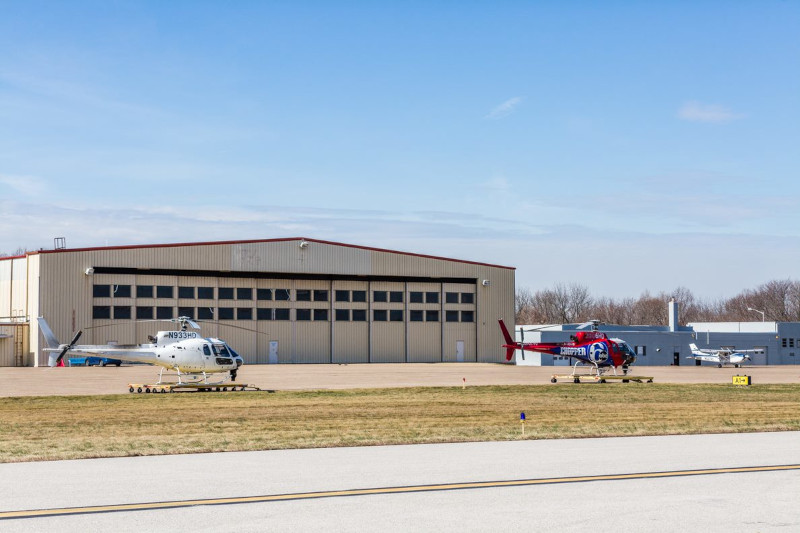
x=510 y=344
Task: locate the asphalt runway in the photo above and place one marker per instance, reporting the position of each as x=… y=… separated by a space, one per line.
x=112 y=380
x=450 y=487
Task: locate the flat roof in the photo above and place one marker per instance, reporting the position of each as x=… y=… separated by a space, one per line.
x=257 y=241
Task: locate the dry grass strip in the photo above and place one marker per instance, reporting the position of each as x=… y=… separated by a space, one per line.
x=49 y=428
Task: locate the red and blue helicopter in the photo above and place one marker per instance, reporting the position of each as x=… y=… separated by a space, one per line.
x=592 y=348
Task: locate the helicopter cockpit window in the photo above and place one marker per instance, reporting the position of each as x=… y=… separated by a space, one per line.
x=206 y=350
x=624 y=348
x=223 y=350
x=233 y=352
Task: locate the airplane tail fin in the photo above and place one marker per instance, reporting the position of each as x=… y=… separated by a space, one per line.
x=693 y=347
x=56 y=349
x=47 y=333
x=510 y=344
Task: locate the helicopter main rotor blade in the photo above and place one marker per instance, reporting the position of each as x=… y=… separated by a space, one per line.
x=225 y=324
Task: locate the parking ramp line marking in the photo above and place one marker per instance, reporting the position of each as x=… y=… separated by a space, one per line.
x=66 y=511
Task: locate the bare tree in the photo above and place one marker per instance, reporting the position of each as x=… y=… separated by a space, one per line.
x=580 y=303
x=778 y=299
x=523 y=307
x=19 y=251
x=650 y=310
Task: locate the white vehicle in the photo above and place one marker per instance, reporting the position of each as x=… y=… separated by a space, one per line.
x=721 y=356
x=186 y=352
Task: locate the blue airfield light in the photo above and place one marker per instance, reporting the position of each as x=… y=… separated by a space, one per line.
x=522 y=416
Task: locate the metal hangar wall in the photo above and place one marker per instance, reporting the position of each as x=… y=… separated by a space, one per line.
x=305 y=300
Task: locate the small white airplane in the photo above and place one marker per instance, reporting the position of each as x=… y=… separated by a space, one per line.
x=721 y=356
x=186 y=352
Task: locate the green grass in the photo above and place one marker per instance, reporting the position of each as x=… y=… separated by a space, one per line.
x=47 y=428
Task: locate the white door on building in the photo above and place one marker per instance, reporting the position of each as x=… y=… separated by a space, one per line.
x=460 y=351
x=273 y=352
x=760 y=355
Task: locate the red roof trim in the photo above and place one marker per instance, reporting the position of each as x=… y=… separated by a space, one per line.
x=258 y=241
x=13 y=257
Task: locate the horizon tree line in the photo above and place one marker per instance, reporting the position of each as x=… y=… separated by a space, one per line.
x=779 y=300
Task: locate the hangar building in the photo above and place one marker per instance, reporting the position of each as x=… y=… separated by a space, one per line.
x=776 y=343
x=300 y=300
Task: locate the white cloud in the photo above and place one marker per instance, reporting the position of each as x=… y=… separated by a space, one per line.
x=544 y=242
x=24 y=185
x=698 y=112
x=504 y=109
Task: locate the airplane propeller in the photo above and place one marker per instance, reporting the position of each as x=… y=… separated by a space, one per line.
x=69 y=346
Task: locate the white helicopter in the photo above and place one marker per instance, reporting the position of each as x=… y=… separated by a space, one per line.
x=184 y=351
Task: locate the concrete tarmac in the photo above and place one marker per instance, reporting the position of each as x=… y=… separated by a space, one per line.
x=735 y=501
x=113 y=380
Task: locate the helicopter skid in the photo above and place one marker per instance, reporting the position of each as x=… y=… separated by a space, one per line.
x=223 y=386
x=184 y=378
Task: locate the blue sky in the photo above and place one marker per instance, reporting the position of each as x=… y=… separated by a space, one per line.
x=624 y=146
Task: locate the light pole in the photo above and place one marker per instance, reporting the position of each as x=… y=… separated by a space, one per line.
x=757 y=311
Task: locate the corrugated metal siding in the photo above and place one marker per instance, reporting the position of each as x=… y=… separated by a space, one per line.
x=454 y=332
x=290 y=257
x=283 y=333
x=424 y=342
x=494 y=302
x=67 y=300
x=66 y=295
x=34 y=309
x=350 y=339
x=14 y=344
x=388 y=342
x=19 y=285
x=350 y=342
x=7 y=345
x=313 y=342
x=5 y=288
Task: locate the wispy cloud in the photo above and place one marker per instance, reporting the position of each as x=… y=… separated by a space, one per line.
x=515 y=240
x=24 y=185
x=504 y=109
x=699 y=112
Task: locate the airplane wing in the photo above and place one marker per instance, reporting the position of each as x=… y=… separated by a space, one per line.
x=124 y=353
x=105 y=351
